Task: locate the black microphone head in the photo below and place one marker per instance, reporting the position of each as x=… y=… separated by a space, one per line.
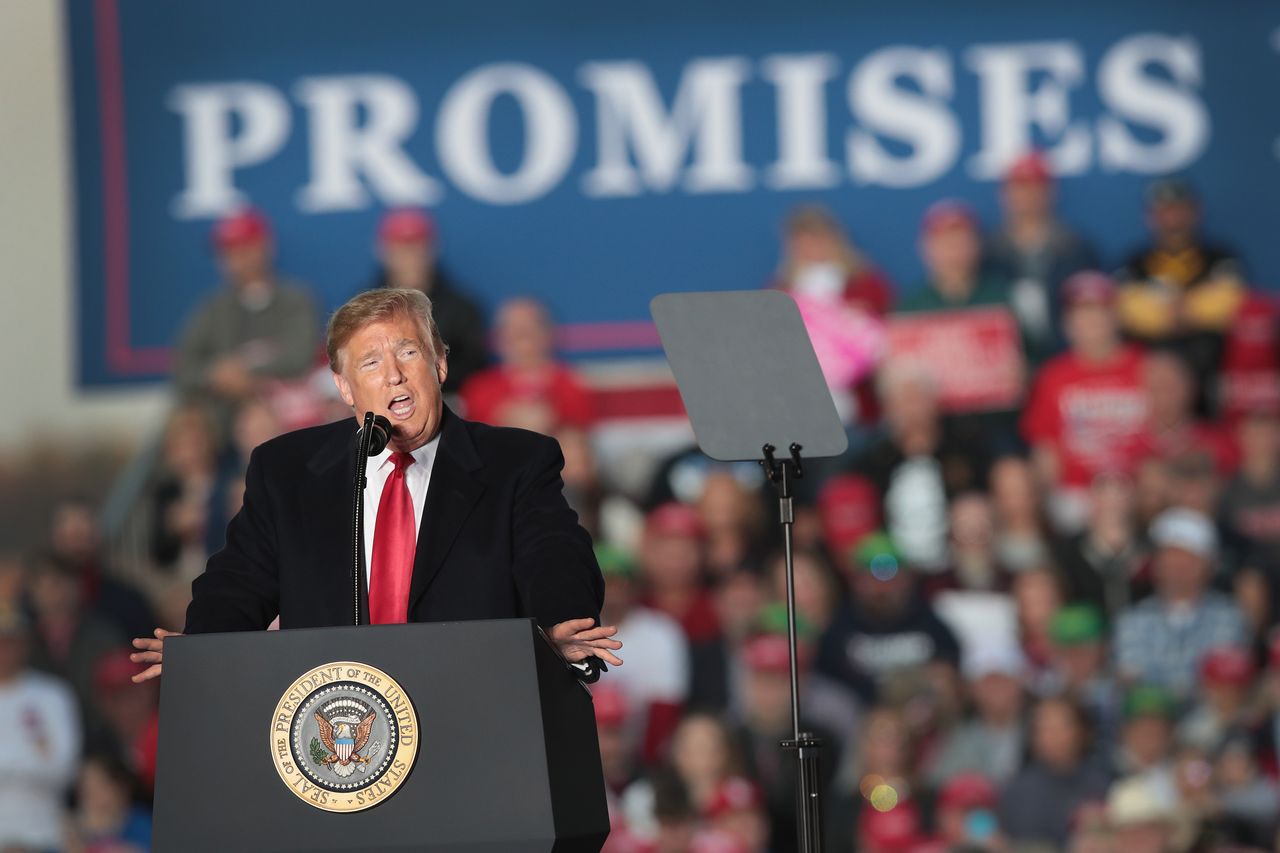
x=379 y=435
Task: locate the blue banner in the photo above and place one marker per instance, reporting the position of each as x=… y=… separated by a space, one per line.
x=597 y=154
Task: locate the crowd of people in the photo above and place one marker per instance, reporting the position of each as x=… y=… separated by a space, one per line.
x=1048 y=623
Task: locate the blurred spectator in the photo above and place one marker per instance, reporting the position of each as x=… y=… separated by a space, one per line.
x=848 y=509
x=1020 y=530
x=1250 y=514
x=408 y=249
x=1039 y=803
x=655 y=680
x=991 y=742
x=582 y=488
x=38 y=755
x=528 y=388
x=972 y=563
x=129 y=712
x=736 y=808
x=1037 y=596
x=1079 y=668
x=1227 y=676
x=1180 y=292
x=67 y=637
x=841 y=298
x=717 y=664
x=966 y=813
x=1249 y=801
x=255 y=423
x=887 y=630
x=1142 y=820
x=1036 y=252
x=1145 y=747
x=951 y=249
x=1162 y=638
x=1087 y=406
x=256 y=328
x=817 y=589
x=616 y=736
x=884 y=779
x=107 y=817
x=1103 y=565
x=1173 y=430
x=672 y=566
x=181 y=497
x=733 y=518
x=921 y=461
x=75 y=543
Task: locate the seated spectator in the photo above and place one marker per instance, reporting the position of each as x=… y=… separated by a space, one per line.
x=707 y=756
x=717 y=672
x=1087 y=406
x=39 y=754
x=616 y=736
x=817 y=588
x=972 y=563
x=528 y=388
x=1173 y=430
x=408 y=254
x=1224 y=699
x=733 y=518
x=655 y=680
x=1142 y=820
x=1145 y=746
x=883 y=780
x=1021 y=542
x=181 y=497
x=848 y=508
x=1180 y=292
x=920 y=463
x=991 y=742
x=672 y=568
x=67 y=638
x=75 y=542
x=1250 y=516
x=1038 y=804
x=1036 y=252
x=1078 y=667
x=1162 y=639
x=1103 y=565
x=1249 y=802
x=841 y=298
x=1037 y=596
x=129 y=713
x=737 y=810
x=107 y=815
x=951 y=248
x=257 y=327
x=966 y=814
x=887 y=630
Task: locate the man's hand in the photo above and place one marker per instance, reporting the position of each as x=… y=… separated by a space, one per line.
x=152 y=653
x=578 y=640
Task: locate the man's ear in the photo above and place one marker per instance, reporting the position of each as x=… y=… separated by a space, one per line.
x=344 y=389
x=442 y=370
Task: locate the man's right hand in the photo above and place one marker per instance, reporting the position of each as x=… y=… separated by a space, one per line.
x=152 y=652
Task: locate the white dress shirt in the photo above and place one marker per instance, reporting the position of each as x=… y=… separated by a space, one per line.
x=39 y=752
x=417 y=476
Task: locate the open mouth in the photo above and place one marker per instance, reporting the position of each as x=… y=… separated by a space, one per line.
x=401 y=406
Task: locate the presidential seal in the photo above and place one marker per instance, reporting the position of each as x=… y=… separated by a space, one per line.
x=344 y=737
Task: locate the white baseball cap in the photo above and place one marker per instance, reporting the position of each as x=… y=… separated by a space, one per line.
x=1186 y=529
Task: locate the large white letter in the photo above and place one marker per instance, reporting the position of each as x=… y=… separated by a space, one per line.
x=802 y=121
x=213 y=152
x=1172 y=108
x=706 y=114
x=343 y=148
x=919 y=120
x=1012 y=107
x=462 y=133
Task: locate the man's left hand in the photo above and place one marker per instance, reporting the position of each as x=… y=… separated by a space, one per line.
x=578 y=640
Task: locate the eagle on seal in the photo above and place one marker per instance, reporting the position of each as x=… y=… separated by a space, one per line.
x=344 y=737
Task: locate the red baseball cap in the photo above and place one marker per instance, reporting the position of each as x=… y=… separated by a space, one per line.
x=948 y=214
x=1031 y=168
x=771 y=653
x=1227 y=665
x=611 y=705
x=735 y=794
x=891 y=831
x=1088 y=287
x=114 y=670
x=849 y=509
x=674 y=519
x=717 y=841
x=248 y=227
x=968 y=791
x=406 y=226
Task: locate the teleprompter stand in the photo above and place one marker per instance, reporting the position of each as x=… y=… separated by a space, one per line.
x=751 y=383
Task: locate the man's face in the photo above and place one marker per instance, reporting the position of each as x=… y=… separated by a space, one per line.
x=1147 y=740
x=1091 y=326
x=524 y=334
x=1028 y=198
x=1174 y=220
x=246 y=264
x=1180 y=573
x=951 y=253
x=387 y=369
x=407 y=263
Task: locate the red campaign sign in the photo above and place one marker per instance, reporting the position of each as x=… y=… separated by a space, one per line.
x=974 y=354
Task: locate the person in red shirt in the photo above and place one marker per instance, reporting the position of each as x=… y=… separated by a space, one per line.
x=528 y=388
x=1088 y=406
x=1174 y=431
x=672 y=564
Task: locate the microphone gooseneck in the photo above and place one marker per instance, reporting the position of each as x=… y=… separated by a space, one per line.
x=371 y=439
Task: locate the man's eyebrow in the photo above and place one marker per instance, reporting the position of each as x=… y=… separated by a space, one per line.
x=404 y=342
x=369 y=353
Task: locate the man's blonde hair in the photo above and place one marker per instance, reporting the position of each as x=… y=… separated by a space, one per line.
x=374 y=306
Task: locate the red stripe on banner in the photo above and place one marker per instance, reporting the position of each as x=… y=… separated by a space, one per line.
x=645 y=401
x=576 y=337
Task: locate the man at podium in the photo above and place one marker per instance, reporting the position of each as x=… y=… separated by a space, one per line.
x=461 y=521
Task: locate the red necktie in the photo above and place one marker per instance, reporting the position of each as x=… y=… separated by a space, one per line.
x=395 y=538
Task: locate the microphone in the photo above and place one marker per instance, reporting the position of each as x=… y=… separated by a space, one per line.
x=379 y=433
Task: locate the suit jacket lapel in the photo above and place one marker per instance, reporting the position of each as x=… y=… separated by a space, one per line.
x=451 y=495
x=334 y=468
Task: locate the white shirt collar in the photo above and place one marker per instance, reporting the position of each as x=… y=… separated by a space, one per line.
x=422 y=454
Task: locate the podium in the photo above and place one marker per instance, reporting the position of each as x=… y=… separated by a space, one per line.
x=462 y=736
